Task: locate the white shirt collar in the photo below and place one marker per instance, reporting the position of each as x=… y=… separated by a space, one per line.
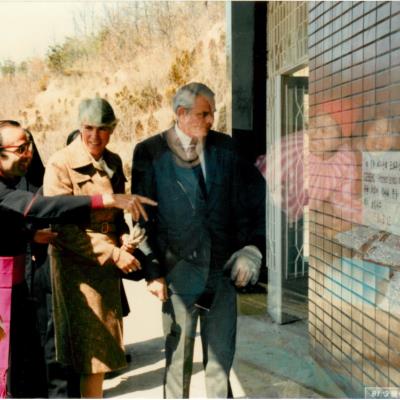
x=185 y=139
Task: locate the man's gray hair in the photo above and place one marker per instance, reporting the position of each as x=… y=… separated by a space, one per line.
x=186 y=95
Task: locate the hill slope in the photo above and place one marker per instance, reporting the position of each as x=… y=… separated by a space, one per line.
x=140 y=55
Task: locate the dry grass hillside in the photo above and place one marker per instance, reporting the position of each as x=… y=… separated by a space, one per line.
x=142 y=52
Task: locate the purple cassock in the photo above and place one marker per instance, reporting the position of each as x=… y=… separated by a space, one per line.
x=12 y=272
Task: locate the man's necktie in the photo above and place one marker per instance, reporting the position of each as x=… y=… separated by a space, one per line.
x=191 y=151
x=200 y=179
x=193 y=155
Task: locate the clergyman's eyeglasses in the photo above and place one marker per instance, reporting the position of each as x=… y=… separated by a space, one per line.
x=20 y=149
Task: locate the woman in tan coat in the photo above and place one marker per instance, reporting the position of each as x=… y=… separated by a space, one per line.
x=86 y=259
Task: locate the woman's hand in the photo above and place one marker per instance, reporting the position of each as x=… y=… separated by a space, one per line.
x=44 y=236
x=130 y=202
x=125 y=261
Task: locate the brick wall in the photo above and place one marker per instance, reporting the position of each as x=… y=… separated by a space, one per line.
x=354 y=85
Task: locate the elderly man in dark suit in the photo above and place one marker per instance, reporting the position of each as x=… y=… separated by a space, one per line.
x=206 y=236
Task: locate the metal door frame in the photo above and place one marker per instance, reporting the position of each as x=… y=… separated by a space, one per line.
x=277 y=274
x=274 y=218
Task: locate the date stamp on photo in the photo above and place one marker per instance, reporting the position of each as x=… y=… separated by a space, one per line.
x=372 y=392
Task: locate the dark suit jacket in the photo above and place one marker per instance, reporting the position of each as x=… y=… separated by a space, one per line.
x=204 y=234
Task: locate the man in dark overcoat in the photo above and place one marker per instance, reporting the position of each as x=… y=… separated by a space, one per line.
x=207 y=235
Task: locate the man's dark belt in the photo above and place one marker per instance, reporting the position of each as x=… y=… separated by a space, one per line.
x=101 y=227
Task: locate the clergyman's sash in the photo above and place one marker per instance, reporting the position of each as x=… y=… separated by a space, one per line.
x=12 y=272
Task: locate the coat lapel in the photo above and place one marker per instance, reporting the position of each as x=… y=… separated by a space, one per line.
x=80 y=162
x=210 y=159
x=82 y=166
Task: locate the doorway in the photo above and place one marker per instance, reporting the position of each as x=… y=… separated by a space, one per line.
x=287 y=170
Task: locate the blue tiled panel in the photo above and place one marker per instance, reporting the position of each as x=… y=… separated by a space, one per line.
x=343 y=284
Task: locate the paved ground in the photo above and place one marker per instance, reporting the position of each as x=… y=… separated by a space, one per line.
x=271 y=360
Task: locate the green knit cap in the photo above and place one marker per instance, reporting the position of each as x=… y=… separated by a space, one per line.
x=96 y=112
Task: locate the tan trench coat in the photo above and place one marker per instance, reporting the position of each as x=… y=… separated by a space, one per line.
x=86 y=283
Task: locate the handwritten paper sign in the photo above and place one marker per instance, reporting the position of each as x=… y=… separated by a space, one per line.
x=381 y=190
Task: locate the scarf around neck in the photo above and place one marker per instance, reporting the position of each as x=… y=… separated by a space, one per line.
x=181 y=157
